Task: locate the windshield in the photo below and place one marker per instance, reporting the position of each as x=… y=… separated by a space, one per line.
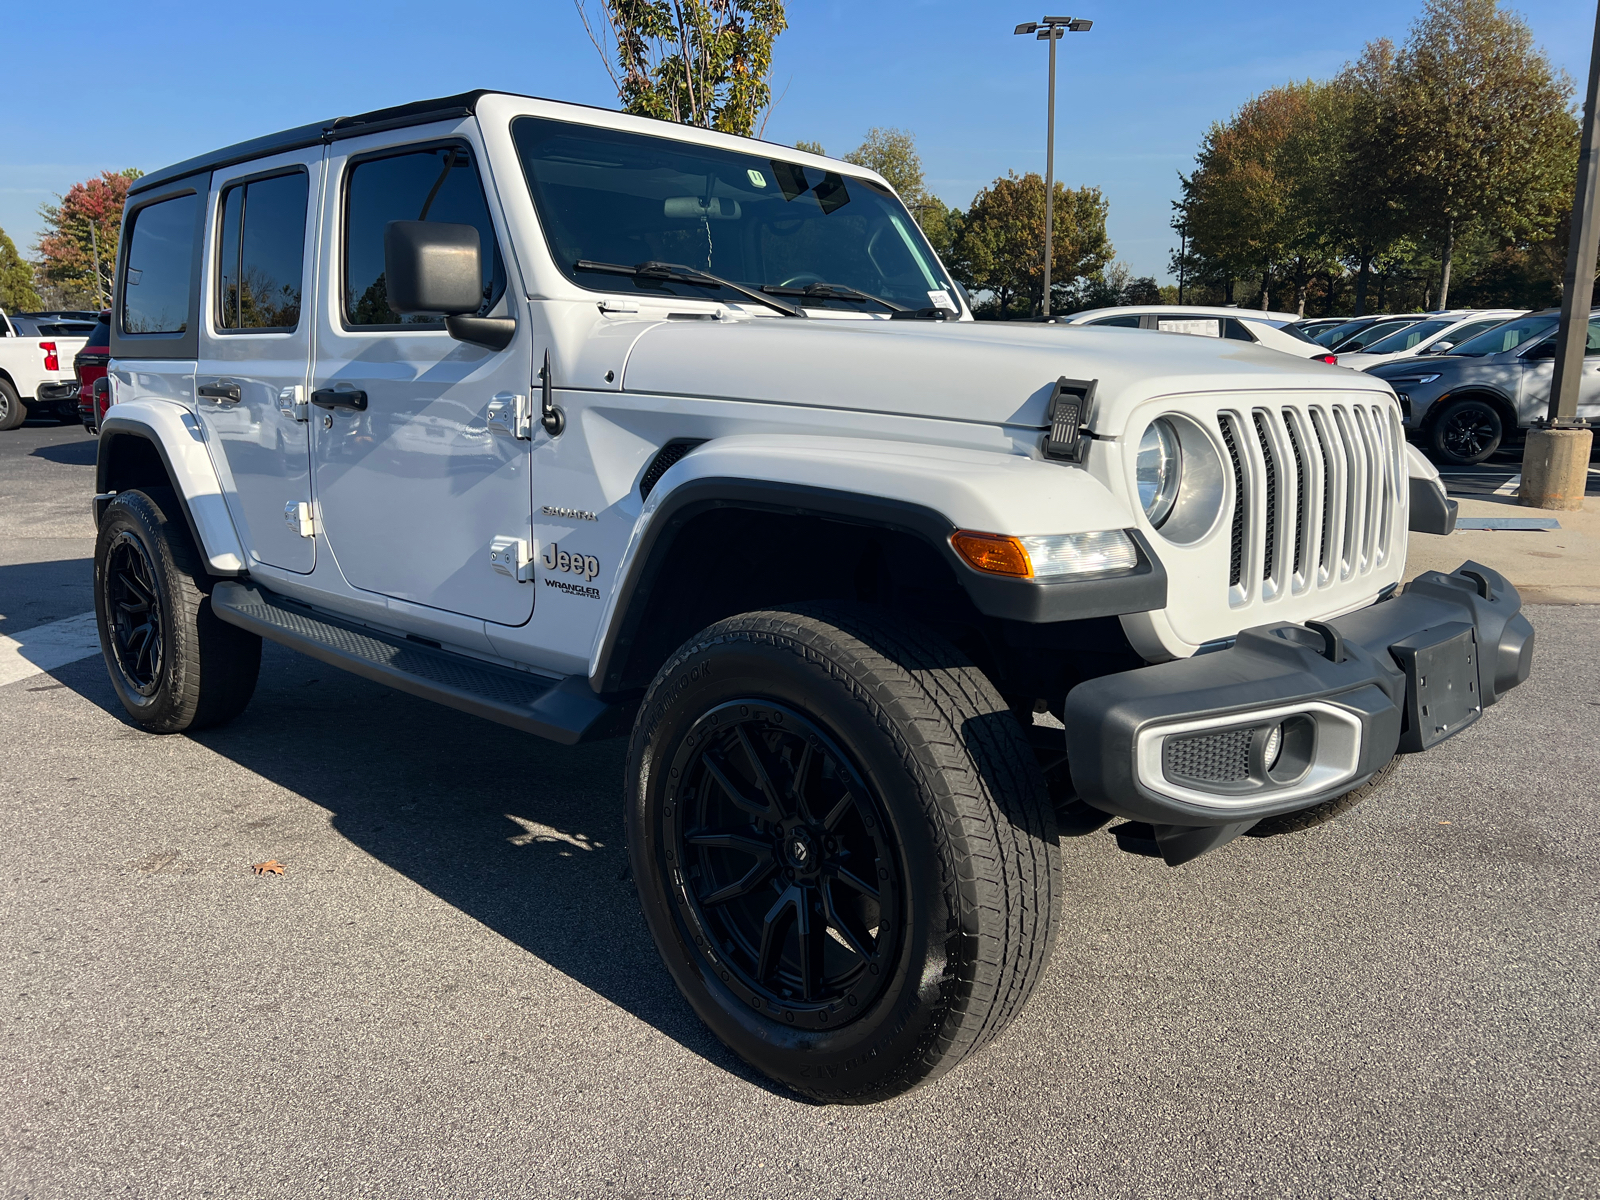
x=609 y=196
x=1508 y=336
x=1371 y=335
x=1408 y=337
x=1328 y=337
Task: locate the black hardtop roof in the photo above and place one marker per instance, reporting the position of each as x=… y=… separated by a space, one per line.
x=418 y=112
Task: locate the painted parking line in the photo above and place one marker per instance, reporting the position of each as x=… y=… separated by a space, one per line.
x=46 y=647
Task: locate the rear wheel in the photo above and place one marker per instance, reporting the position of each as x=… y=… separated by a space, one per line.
x=1466 y=432
x=173 y=663
x=843 y=847
x=12 y=411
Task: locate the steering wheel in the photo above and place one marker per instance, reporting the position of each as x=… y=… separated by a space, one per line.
x=802 y=279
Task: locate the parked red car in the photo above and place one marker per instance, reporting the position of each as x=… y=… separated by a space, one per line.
x=90 y=365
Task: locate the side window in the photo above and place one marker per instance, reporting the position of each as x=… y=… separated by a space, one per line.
x=1593 y=345
x=1199 y=326
x=155 y=295
x=436 y=184
x=1119 y=322
x=261 y=253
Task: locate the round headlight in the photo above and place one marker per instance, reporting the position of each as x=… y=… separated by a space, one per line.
x=1158 y=470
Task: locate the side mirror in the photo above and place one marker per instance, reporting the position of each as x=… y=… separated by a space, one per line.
x=1441 y=348
x=432 y=267
x=436 y=267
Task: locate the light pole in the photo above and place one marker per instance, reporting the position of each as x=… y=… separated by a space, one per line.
x=1555 y=457
x=1052 y=30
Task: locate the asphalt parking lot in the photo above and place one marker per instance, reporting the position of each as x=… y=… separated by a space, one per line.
x=450 y=990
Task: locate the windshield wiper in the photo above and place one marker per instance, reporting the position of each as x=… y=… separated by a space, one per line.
x=833 y=291
x=677 y=273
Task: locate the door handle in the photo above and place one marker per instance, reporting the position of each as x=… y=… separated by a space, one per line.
x=220 y=393
x=353 y=399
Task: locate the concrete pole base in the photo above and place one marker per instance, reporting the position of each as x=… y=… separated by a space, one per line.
x=1555 y=468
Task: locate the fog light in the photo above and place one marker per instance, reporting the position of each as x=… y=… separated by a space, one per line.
x=1274 y=747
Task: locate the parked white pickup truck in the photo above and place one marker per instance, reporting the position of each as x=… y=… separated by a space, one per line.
x=35 y=373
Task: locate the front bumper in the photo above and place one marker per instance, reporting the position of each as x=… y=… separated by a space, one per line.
x=1187 y=746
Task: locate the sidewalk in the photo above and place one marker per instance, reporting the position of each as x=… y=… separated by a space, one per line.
x=1551 y=566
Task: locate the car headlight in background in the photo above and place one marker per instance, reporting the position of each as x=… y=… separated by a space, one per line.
x=1396 y=380
x=1159 y=468
x=1179 y=476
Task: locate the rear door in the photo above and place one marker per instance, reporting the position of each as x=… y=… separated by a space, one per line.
x=255 y=350
x=413 y=485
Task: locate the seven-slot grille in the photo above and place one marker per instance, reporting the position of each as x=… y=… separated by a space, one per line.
x=1320 y=489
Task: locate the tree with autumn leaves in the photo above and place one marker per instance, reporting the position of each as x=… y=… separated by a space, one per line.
x=78 y=250
x=1463 y=141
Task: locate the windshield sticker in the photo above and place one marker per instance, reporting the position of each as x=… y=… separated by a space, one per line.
x=757 y=179
x=941 y=299
x=791 y=179
x=831 y=193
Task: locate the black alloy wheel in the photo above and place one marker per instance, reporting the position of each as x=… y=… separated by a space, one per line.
x=791 y=889
x=174 y=664
x=1467 y=432
x=133 y=608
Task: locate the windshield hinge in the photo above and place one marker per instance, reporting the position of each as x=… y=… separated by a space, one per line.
x=1071 y=404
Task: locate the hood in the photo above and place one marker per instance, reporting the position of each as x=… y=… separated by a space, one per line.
x=1425 y=364
x=990 y=372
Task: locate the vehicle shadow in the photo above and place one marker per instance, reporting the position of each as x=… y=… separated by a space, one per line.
x=522 y=835
x=70 y=454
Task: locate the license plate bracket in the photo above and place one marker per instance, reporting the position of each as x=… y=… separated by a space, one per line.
x=1443 y=695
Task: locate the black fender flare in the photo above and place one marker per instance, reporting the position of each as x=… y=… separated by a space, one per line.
x=1141 y=590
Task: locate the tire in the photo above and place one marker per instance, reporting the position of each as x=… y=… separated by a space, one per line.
x=914 y=780
x=1466 y=432
x=1321 y=814
x=13 y=411
x=183 y=667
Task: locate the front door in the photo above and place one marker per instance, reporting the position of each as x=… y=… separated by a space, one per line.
x=413 y=483
x=255 y=350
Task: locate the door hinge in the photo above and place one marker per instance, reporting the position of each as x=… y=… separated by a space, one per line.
x=297 y=516
x=292 y=402
x=512 y=557
x=510 y=415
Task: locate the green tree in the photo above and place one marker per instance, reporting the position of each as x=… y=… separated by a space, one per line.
x=1000 y=244
x=1365 y=218
x=1480 y=127
x=892 y=153
x=810 y=147
x=697 y=62
x=17 y=293
x=83 y=231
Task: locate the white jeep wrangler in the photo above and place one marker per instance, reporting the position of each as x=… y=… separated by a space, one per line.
x=596 y=426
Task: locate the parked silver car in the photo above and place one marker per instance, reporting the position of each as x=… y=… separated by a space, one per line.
x=1465 y=404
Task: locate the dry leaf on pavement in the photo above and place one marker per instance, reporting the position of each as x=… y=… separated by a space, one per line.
x=271 y=867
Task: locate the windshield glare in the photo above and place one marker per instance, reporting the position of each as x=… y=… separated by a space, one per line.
x=1328 y=337
x=610 y=196
x=1408 y=337
x=1508 y=336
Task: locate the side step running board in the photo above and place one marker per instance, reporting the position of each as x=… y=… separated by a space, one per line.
x=563 y=710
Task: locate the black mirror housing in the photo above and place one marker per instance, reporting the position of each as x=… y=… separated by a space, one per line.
x=432 y=267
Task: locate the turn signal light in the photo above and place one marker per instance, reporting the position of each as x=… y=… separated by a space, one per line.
x=993 y=552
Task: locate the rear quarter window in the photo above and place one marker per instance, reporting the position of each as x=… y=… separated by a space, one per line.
x=156 y=289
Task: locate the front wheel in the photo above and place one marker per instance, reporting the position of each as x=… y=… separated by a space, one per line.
x=1466 y=432
x=843 y=846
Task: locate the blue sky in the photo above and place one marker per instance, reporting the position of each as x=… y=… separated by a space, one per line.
x=1134 y=95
